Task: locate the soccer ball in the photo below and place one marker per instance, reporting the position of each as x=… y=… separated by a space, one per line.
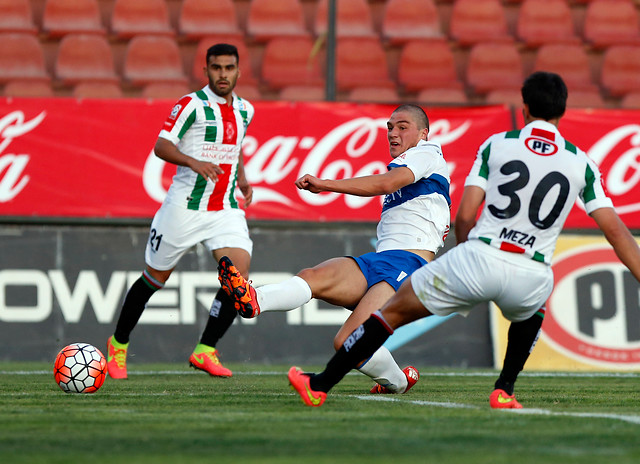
x=80 y=368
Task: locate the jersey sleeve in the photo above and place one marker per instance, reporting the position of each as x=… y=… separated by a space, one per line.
x=479 y=172
x=593 y=194
x=422 y=160
x=182 y=116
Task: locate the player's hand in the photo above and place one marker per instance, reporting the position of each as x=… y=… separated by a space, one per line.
x=207 y=170
x=310 y=183
x=247 y=191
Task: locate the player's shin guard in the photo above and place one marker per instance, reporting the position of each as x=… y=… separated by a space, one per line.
x=521 y=340
x=360 y=345
x=134 y=304
x=221 y=316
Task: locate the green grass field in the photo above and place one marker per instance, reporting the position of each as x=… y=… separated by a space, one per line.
x=170 y=414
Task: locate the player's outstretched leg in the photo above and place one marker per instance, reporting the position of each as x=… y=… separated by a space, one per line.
x=300 y=382
x=117 y=358
x=237 y=287
x=205 y=358
x=412 y=377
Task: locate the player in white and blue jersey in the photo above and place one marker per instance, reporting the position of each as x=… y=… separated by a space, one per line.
x=527 y=180
x=413 y=225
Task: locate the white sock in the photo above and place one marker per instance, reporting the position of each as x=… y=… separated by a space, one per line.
x=382 y=368
x=284 y=296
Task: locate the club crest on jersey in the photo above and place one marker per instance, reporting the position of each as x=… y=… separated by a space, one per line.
x=541 y=146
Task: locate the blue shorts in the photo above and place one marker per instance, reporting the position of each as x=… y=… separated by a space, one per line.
x=391 y=266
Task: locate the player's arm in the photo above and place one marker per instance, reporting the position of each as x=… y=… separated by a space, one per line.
x=243 y=183
x=472 y=198
x=620 y=238
x=166 y=150
x=365 y=186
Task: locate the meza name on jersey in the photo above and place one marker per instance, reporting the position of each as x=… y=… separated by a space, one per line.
x=518 y=237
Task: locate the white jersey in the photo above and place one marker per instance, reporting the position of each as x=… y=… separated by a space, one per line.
x=204 y=127
x=418 y=215
x=532 y=178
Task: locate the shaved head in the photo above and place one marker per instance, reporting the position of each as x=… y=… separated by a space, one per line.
x=417 y=114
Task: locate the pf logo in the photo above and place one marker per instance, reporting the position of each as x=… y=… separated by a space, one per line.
x=594 y=311
x=540 y=146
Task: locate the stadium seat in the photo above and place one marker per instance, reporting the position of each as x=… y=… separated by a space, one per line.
x=361 y=61
x=570 y=61
x=131 y=18
x=620 y=70
x=84 y=57
x=545 y=21
x=609 y=22
x=302 y=93
x=16 y=16
x=585 y=99
x=97 y=90
x=512 y=97
x=353 y=18
x=474 y=21
x=442 y=97
x=21 y=57
x=631 y=101
x=427 y=63
x=165 y=91
x=246 y=78
x=493 y=66
x=268 y=19
x=405 y=20
x=373 y=95
x=150 y=59
x=200 y=18
x=290 y=61
x=62 y=17
x=20 y=88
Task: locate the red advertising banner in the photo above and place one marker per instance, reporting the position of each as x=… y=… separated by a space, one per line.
x=93 y=158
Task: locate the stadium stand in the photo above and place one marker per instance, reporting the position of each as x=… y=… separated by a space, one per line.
x=354 y=18
x=201 y=18
x=61 y=17
x=140 y=17
x=474 y=21
x=620 y=72
x=631 y=101
x=20 y=88
x=609 y=22
x=494 y=66
x=268 y=19
x=150 y=59
x=361 y=62
x=585 y=99
x=373 y=95
x=568 y=60
x=164 y=90
x=85 y=57
x=427 y=64
x=302 y=93
x=442 y=96
x=21 y=57
x=290 y=62
x=405 y=20
x=97 y=90
x=16 y=16
x=511 y=97
x=545 y=21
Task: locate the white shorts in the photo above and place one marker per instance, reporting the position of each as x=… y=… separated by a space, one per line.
x=175 y=229
x=474 y=272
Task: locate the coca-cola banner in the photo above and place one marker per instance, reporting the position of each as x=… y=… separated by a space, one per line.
x=93 y=158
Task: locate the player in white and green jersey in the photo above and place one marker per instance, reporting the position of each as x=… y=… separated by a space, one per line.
x=528 y=180
x=203 y=137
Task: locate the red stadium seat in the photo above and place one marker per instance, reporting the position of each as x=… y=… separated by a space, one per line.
x=426 y=64
x=20 y=88
x=165 y=91
x=361 y=61
x=620 y=71
x=493 y=66
x=373 y=95
x=474 y=21
x=405 y=20
x=609 y=22
x=545 y=21
x=150 y=59
x=290 y=61
x=511 y=97
x=62 y=17
x=631 y=101
x=353 y=18
x=246 y=79
x=585 y=99
x=302 y=93
x=85 y=57
x=442 y=97
x=570 y=61
x=200 y=18
x=131 y=18
x=97 y=90
x=21 y=57
x=268 y=19
x=16 y=16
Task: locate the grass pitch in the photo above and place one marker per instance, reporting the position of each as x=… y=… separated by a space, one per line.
x=172 y=414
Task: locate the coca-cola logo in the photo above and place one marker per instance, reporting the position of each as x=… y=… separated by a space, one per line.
x=13 y=166
x=594 y=312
